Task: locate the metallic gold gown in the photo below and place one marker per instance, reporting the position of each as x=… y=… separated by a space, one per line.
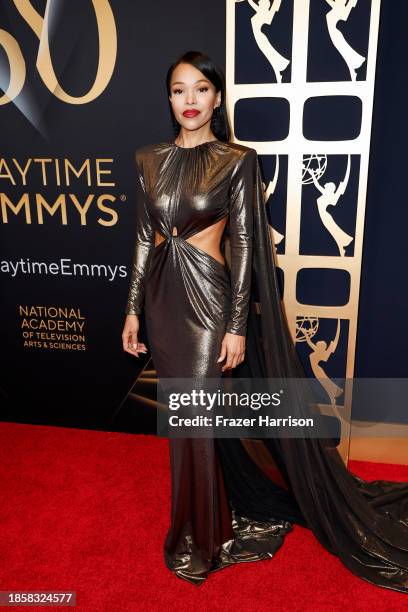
x=226 y=505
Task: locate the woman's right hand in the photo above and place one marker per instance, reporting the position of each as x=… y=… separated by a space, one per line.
x=129 y=336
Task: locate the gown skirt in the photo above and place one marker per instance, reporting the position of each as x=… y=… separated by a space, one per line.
x=187 y=307
x=235 y=500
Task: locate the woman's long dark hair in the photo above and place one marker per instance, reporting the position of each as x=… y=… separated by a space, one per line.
x=219 y=121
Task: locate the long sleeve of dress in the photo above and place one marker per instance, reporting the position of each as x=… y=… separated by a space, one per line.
x=241 y=241
x=144 y=246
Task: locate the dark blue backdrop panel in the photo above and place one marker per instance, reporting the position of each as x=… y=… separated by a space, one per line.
x=85 y=387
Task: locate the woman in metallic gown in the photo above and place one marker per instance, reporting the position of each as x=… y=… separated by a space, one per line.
x=213 y=311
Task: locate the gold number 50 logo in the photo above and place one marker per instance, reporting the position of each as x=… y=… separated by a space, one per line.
x=107 y=53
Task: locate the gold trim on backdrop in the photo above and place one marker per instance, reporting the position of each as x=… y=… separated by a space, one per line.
x=391 y=445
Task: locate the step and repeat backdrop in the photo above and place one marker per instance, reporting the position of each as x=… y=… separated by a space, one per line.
x=317 y=87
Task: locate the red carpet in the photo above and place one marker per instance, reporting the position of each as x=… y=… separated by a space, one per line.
x=88 y=511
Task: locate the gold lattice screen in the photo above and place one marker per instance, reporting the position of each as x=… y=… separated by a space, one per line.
x=309 y=119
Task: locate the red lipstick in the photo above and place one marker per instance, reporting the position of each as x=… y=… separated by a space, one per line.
x=191 y=113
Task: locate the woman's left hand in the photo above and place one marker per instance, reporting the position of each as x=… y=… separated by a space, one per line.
x=233 y=348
